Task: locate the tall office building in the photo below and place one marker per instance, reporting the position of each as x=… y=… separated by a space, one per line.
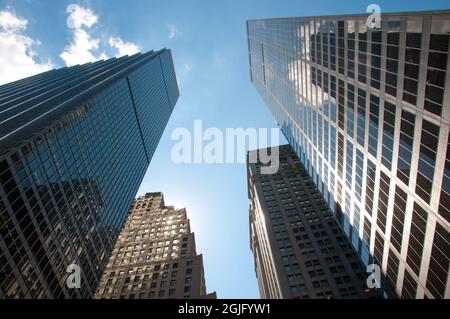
x=298 y=248
x=75 y=144
x=154 y=256
x=367 y=110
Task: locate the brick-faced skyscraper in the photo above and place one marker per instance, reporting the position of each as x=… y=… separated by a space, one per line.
x=75 y=144
x=154 y=256
x=299 y=249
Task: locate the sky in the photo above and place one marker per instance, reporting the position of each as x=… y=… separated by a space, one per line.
x=209 y=47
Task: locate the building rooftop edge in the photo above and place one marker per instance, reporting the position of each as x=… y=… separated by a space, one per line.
x=358 y=15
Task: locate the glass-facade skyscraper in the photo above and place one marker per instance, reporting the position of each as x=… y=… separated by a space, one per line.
x=75 y=144
x=367 y=111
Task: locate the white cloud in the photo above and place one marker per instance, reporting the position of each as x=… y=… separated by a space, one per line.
x=79 y=17
x=183 y=71
x=122 y=47
x=104 y=56
x=84 y=46
x=219 y=63
x=17 y=57
x=10 y=22
x=173 y=31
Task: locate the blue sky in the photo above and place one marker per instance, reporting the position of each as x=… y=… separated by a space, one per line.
x=208 y=42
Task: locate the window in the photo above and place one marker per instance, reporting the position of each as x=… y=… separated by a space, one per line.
x=444 y=209
x=351 y=49
x=378 y=249
x=437 y=60
x=370 y=185
x=356 y=223
x=333 y=110
x=350 y=109
x=412 y=61
x=341 y=107
x=417 y=237
x=405 y=146
x=326 y=140
x=409 y=287
x=341 y=46
x=439 y=41
x=388 y=134
x=391 y=274
x=295 y=290
x=349 y=164
x=376 y=58
x=427 y=157
x=373 y=124
x=383 y=200
x=359 y=173
x=439 y=262
x=340 y=168
x=361 y=118
x=332 y=148
x=392 y=55
x=362 y=52
x=398 y=218
x=437 y=66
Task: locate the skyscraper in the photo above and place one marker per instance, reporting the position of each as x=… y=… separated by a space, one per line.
x=155 y=255
x=366 y=107
x=75 y=144
x=298 y=248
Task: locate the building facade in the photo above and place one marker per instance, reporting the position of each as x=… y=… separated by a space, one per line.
x=298 y=247
x=75 y=144
x=367 y=110
x=154 y=256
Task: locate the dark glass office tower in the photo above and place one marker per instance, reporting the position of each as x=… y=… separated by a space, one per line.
x=75 y=144
x=367 y=111
x=154 y=256
x=298 y=248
